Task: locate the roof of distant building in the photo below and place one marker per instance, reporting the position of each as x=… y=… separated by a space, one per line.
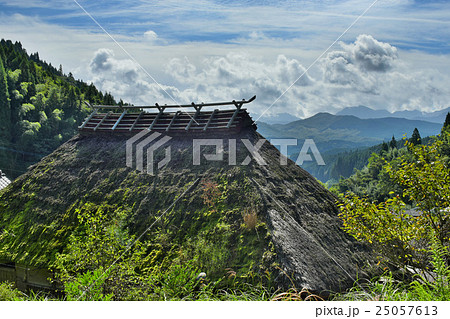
x=4 y=181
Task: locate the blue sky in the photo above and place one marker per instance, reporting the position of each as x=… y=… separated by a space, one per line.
x=397 y=56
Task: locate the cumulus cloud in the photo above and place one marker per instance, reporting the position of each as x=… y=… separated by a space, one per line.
x=181 y=69
x=370 y=72
x=123 y=78
x=359 y=63
x=365 y=72
x=151 y=35
x=102 y=60
x=239 y=75
x=370 y=54
x=104 y=64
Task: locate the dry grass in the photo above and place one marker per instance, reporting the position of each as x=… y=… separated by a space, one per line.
x=250 y=220
x=294 y=295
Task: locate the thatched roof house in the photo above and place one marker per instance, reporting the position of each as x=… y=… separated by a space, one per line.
x=269 y=216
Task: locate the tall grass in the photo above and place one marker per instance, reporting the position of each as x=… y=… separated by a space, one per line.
x=431 y=286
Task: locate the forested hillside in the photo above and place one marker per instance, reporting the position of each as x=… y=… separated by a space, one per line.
x=399 y=204
x=336 y=133
x=40 y=107
x=373 y=179
x=343 y=164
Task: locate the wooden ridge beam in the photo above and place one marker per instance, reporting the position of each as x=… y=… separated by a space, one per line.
x=174 y=105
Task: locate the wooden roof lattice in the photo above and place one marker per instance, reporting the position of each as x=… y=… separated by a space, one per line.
x=125 y=119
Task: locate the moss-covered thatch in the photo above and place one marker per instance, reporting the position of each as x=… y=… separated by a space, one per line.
x=246 y=218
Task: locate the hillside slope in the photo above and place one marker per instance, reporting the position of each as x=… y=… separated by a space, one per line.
x=40 y=107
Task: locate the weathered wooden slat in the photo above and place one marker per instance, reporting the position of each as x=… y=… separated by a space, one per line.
x=173 y=120
x=181 y=128
x=118 y=121
x=88 y=119
x=135 y=121
x=210 y=119
x=101 y=121
x=161 y=111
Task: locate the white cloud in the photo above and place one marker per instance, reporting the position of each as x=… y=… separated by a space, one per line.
x=151 y=35
x=124 y=79
x=370 y=72
x=370 y=54
x=364 y=72
x=257 y=48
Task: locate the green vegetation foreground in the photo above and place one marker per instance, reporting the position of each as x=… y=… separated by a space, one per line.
x=412 y=244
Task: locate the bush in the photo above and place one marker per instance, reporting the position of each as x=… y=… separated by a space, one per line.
x=8 y=292
x=400 y=237
x=432 y=286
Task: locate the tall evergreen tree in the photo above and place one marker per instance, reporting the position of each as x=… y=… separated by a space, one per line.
x=5 y=108
x=5 y=114
x=393 y=142
x=415 y=138
x=384 y=148
x=447 y=121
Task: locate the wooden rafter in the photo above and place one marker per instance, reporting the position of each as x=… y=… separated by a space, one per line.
x=210 y=119
x=161 y=111
x=173 y=120
x=136 y=120
x=101 y=121
x=193 y=119
x=238 y=108
x=88 y=119
x=120 y=119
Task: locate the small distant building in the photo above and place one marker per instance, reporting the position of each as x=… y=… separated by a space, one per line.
x=4 y=181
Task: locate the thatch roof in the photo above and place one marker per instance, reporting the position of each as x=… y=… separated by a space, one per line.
x=296 y=229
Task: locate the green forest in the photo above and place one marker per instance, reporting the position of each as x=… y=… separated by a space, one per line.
x=341 y=165
x=399 y=204
x=40 y=107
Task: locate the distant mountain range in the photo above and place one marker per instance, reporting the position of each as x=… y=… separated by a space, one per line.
x=336 y=133
x=352 y=128
x=280 y=118
x=364 y=112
